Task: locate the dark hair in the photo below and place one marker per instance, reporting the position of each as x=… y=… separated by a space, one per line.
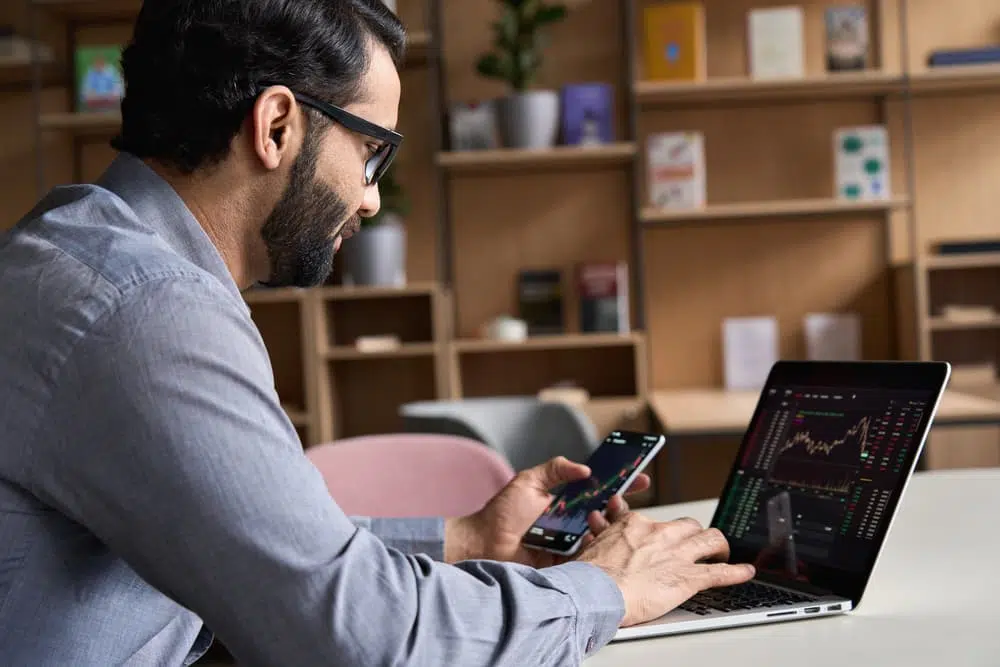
x=192 y=66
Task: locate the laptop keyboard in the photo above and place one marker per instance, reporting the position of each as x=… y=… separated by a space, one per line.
x=750 y=595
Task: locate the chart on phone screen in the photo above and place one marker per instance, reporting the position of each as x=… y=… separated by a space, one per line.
x=610 y=467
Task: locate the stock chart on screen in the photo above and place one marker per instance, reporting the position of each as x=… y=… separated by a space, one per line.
x=611 y=465
x=837 y=455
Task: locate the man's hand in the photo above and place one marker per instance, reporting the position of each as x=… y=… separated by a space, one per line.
x=657 y=566
x=495 y=531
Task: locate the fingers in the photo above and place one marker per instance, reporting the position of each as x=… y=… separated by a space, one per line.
x=639 y=484
x=708 y=544
x=717 y=575
x=616 y=509
x=556 y=472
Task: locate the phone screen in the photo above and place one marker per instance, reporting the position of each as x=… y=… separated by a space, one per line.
x=612 y=465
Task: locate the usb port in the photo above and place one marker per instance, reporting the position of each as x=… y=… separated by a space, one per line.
x=834 y=607
x=811 y=610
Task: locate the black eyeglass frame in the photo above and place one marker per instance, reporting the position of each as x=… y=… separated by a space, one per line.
x=377 y=164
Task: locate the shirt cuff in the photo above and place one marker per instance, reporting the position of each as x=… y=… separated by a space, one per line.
x=599 y=602
x=412 y=536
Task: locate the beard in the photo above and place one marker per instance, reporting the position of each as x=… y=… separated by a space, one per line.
x=297 y=233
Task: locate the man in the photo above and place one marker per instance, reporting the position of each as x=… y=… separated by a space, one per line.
x=150 y=482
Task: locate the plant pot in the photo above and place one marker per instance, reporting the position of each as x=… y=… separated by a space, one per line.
x=376 y=255
x=528 y=119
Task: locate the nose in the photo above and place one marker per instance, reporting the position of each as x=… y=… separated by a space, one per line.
x=371 y=203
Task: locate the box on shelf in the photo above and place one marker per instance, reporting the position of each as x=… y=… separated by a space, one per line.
x=674 y=43
x=861 y=169
x=587 y=111
x=847 y=39
x=604 y=297
x=776 y=42
x=750 y=349
x=676 y=168
x=541 y=300
x=473 y=126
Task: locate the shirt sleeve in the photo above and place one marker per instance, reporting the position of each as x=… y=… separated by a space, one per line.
x=409 y=535
x=180 y=459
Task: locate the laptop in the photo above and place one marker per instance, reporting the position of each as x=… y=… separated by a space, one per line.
x=813 y=490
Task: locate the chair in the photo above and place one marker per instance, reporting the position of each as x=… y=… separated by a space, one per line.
x=526 y=430
x=410 y=475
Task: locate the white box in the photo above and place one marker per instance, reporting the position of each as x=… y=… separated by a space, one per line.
x=676 y=170
x=861 y=169
x=750 y=349
x=833 y=336
x=776 y=42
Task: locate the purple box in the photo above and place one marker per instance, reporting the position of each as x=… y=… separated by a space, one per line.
x=587 y=113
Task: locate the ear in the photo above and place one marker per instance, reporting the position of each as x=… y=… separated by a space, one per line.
x=276 y=122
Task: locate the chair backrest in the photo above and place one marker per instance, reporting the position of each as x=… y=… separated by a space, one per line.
x=525 y=430
x=410 y=475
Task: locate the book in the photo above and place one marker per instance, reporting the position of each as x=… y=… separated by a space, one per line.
x=986 y=55
x=541 y=300
x=861 y=169
x=99 y=82
x=604 y=302
x=674 y=46
x=676 y=168
x=776 y=42
x=587 y=111
x=847 y=39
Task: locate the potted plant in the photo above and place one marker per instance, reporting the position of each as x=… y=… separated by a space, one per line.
x=526 y=118
x=376 y=255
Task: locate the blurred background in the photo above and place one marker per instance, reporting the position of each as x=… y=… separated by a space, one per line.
x=615 y=214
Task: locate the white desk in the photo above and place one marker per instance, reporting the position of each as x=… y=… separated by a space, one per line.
x=931 y=602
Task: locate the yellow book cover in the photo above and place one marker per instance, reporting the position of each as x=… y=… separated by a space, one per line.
x=674 y=41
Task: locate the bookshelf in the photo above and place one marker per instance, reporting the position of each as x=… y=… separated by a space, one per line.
x=771 y=239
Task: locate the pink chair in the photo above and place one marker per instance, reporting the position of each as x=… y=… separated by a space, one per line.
x=410 y=475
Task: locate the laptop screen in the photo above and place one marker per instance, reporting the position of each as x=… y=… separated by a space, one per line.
x=818 y=477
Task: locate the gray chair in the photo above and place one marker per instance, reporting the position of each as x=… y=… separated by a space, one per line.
x=524 y=429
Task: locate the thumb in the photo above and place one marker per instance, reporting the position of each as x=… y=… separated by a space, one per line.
x=557 y=471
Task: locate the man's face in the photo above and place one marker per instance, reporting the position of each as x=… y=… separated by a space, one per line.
x=326 y=196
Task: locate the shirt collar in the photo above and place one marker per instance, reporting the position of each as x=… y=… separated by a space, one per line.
x=158 y=206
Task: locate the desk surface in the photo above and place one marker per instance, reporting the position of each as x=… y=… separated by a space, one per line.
x=931 y=601
x=721 y=412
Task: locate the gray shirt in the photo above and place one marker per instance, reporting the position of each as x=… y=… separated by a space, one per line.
x=152 y=486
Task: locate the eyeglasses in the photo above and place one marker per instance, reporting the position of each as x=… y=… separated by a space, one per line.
x=377 y=164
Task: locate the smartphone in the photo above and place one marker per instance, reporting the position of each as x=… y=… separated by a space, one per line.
x=613 y=466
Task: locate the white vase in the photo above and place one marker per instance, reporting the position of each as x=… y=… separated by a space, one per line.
x=376 y=255
x=528 y=119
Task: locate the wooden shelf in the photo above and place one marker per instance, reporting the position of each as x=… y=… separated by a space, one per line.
x=968 y=78
x=945 y=324
x=767 y=209
x=404 y=351
x=979 y=260
x=370 y=292
x=486 y=161
x=90 y=9
x=418 y=47
x=82 y=122
x=567 y=341
x=844 y=85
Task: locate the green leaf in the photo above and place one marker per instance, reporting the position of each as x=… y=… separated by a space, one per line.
x=549 y=14
x=493 y=66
